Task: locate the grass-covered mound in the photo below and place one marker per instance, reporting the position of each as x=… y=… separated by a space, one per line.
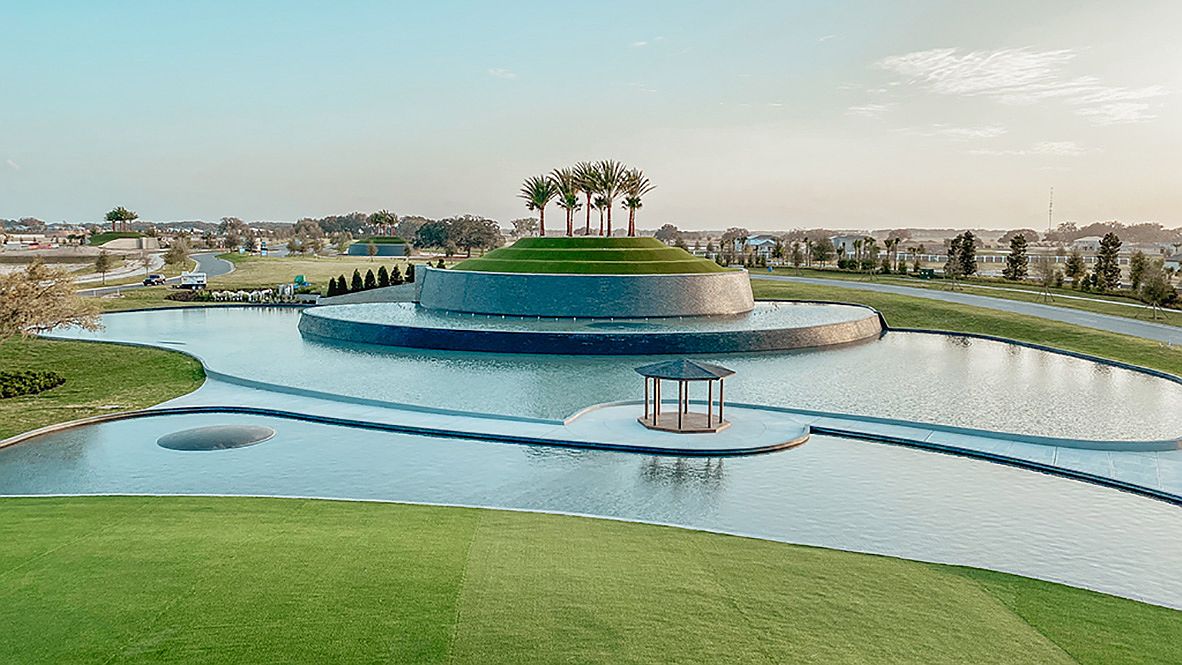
x=230 y=580
x=107 y=236
x=590 y=256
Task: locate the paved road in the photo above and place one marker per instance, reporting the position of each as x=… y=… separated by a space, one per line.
x=209 y=264
x=1117 y=324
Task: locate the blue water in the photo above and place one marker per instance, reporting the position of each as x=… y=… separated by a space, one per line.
x=765 y=316
x=911 y=376
x=829 y=492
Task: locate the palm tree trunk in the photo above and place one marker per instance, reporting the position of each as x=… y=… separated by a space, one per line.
x=542 y=221
x=631 y=222
x=600 y=222
x=609 y=220
x=587 y=231
x=570 y=222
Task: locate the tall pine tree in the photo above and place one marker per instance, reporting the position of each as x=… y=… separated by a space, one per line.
x=1017 y=263
x=1108 y=262
x=968 y=254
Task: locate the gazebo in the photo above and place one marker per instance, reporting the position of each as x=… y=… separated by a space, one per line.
x=683 y=372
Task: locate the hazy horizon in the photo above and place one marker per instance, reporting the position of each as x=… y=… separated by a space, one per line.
x=766 y=115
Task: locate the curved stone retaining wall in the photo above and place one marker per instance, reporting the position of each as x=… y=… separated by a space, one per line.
x=590 y=296
x=335 y=329
x=384 y=249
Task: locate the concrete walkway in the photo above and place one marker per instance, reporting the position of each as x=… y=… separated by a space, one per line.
x=1117 y=324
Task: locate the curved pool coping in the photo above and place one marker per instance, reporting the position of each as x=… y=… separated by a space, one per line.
x=332 y=329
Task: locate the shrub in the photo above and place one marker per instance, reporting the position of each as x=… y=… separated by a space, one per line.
x=30 y=382
x=396 y=275
x=440 y=265
x=332 y=288
x=410 y=272
x=371 y=282
x=186 y=295
x=384 y=276
x=342 y=285
x=356 y=284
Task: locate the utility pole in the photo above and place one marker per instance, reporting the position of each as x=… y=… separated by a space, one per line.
x=1051 y=212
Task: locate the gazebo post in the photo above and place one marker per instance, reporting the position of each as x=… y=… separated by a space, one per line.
x=709 y=403
x=646 y=398
x=656 y=401
x=680 y=396
x=720 y=386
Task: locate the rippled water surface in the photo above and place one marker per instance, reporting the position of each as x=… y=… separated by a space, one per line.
x=912 y=376
x=766 y=315
x=830 y=492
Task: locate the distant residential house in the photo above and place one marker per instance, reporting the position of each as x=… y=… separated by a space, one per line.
x=844 y=245
x=761 y=246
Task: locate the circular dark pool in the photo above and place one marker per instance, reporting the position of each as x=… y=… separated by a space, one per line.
x=216 y=437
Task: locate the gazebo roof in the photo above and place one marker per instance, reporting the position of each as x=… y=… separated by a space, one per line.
x=684 y=370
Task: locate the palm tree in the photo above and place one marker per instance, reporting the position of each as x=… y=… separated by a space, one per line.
x=538 y=191
x=635 y=186
x=568 y=195
x=587 y=180
x=611 y=179
x=601 y=204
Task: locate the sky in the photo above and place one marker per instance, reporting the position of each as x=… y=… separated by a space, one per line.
x=766 y=115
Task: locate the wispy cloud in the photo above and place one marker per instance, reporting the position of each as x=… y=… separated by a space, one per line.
x=12 y=165
x=1049 y=148
x=1022 y=76
x=958 y=133
x=641 y=43
x=1117 y=114
x=501 y=73
x=825 y=38
x=869 y=110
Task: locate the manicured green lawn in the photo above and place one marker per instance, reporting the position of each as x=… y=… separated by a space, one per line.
x=605 y=256
x=1113 y=305
x=100 y=378
x=146 y=580
x=915 y=312
x=252 y=272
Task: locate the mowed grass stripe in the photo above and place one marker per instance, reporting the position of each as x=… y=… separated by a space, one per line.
x=229 y=580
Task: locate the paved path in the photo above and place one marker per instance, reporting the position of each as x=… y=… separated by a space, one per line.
x=1117 y=324
x=209 y=264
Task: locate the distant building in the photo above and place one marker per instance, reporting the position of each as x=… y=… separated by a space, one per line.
x=844 y=245
x=1087 y=243
x=762 y=246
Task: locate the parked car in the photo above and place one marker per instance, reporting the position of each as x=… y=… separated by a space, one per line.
x=155 y=279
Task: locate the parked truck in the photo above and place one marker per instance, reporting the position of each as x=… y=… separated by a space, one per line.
x=193 y=281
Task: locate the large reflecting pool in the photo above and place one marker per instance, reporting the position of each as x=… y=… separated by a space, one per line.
x=930 y=378
x=830 y=492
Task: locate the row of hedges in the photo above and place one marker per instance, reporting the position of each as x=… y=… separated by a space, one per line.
x=29 y=382
x=393 y=277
